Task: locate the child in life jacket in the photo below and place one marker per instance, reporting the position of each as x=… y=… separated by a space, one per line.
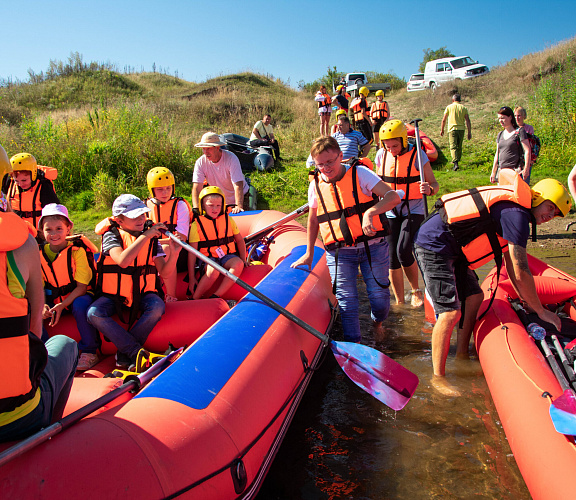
x=128 y=278
x=173 y=211
x=215 y=234
x=68 y=273
x=28 y=188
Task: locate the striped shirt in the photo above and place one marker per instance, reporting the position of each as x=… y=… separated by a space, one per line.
x=350 y=143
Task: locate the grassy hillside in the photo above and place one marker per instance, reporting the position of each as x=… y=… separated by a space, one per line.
x=104 y=130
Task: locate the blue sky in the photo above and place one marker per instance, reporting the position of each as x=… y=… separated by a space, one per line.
x=293 y=40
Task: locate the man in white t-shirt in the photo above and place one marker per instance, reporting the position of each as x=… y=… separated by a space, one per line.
x=263 y=135
x=220 y=168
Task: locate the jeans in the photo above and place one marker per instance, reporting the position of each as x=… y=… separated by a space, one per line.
x=89 y=337
x=55 y=385
x=349 y=258
x=128 y=342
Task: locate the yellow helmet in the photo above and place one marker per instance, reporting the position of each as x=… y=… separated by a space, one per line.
x=339 y=88
x=25 y=161
x=5 y=166
x=379 y=93
x=554 y=191
x=364 y=91
x=393 y=129
x=211 y=190
x=340 y=112
x=160 y=177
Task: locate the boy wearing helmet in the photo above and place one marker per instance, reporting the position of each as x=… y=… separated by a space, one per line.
x=28 y=189
x=469 y=229
x=36 y=377
x=362 y=122
x=379 y=112
x=173 y=211
x=216 y=235
x=128 y=271
x=398 y=166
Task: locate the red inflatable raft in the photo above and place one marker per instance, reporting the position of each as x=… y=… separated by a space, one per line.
x=518 y=375
x=427 y=144
x=209 y=425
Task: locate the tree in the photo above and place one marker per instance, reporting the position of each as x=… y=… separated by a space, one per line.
x=430 y=55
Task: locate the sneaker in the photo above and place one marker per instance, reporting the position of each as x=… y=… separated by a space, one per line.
x=123 y=361
x=231 y=303
x=87 y=360
x=455 y=167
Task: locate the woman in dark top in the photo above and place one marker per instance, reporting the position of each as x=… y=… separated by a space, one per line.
x=512 y=147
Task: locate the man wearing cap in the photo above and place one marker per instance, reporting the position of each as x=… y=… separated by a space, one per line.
x=457 y=116
x=220 y=168
x=352 y=143
x=263 y=135
x=35 y=377
x=130 y=248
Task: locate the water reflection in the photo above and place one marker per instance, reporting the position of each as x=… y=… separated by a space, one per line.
x=345 y=444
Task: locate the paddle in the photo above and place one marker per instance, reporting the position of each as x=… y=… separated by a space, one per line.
x=373 y=371
x=419 y=160
x=291 y=216
x=131 y=384
x=563 y=408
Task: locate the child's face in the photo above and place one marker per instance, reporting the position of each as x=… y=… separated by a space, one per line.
x=162 y=194
x=55 y=231
x=23 y=178
x=135 y=225
x=212 y=206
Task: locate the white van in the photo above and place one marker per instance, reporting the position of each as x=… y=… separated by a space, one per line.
x=440 y=71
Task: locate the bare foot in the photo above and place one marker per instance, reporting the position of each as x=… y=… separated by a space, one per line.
x=417 y=299
x=462 y=356
x=444 y=387
x=379 y=333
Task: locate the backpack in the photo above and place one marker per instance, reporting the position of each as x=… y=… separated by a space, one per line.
x=534 y=141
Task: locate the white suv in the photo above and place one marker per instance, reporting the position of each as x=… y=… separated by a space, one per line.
x=444 y=70
x=416 y=82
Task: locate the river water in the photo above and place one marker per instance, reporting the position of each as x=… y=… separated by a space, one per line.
x=343 y=443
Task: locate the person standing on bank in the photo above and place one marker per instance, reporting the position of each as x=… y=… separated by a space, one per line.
x=218 y=168
x=361 y=113
x=457 y=116
x=379 y=112
x=353 y=232
x=324 y=102
x=512 y=147
x=397 y=166
x=263 y=135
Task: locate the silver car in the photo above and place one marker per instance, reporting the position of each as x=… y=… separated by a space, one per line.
x=416 y=82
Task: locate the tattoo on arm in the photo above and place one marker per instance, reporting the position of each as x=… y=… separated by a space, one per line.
x=521 y=259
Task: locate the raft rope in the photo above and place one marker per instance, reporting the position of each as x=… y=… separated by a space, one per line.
x=256 y=439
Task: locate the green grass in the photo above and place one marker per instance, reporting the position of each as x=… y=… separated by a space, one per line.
x=104 y=130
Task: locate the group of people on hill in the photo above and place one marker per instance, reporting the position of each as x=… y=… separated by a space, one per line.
x=46 y=270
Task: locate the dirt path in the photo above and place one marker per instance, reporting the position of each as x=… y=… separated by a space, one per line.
x=553 y=234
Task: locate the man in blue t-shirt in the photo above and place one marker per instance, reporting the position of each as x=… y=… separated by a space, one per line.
x=352 y=143
x=449 y=279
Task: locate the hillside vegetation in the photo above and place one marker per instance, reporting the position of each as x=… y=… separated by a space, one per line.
x=104 y=130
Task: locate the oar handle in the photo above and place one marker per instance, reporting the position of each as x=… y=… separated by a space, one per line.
x=252 y=290
x=291 y=216
x=419 y=160
x=52 y=430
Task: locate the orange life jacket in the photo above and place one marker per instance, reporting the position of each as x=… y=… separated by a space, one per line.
x=128 y=284
x=379 y=111
x=22 y=354
x=325 y=102
x=358 y=107
x=399 y=172
x=214 y=234
x=59 y=274
x=344 y=201
x=467 y=214
x=165 y=212
x=26 y=204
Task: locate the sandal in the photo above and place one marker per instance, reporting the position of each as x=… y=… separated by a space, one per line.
x=417 y=299
x=171 y=298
